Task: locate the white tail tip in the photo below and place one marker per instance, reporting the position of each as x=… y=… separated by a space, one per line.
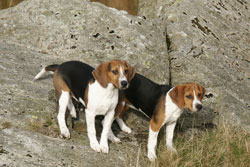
x=40 y=74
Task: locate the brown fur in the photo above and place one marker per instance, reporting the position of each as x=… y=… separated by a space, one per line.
x=131 y=72
x=159 y=116
x=179 y=94
x=100 y=74
x=104 y=72
x=87 y=92
x=59 y=84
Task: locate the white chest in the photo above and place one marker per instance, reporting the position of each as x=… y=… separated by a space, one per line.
x=102 y=100
x=172 y=111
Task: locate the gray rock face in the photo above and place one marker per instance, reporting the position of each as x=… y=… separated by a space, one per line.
x=87 y=31
x=202 y=41
x=38 y=33
x=209 y=43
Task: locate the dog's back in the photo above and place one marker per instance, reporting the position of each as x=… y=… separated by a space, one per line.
x=76 y=75
x=144 y=93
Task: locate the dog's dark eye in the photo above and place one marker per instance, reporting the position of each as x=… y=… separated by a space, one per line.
x=189 y=97
x=199 y=94
x=126 y=71
x=115 y=72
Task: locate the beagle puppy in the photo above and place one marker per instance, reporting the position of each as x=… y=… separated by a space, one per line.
x=163 y=104
x=97 y=89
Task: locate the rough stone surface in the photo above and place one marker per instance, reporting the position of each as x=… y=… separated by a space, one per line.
x=203 y=41
x=28 y=126
x=37 y=33
x=87 y=31
x=209 y=43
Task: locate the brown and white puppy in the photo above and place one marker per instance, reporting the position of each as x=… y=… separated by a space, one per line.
x=97 y=89
x=163 y=104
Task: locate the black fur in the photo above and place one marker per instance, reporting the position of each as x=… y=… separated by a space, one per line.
x=144 y=93
x=52 y=67
x=76 y=75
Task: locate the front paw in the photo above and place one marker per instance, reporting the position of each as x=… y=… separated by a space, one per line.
x=65 y=133
x=126 y=129
x=104 y=148
x=95 y=146
x=114 y=139
x=151 y=156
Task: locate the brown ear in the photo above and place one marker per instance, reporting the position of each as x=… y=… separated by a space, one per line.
x=203 y=92
x=131 y=72
x=177 y=95
x=101 y=74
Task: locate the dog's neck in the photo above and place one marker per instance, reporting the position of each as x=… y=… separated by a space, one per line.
x=109 y=91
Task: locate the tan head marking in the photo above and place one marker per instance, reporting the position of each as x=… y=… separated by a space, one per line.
x=177 y=95
x=101 y=74
x=188 y=95
x=129 y=71
x=116 y=72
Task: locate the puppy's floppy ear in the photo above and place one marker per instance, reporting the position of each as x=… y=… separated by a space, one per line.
x=131 y=71
x=203 y=91
x=101 y=74
x=177 y=95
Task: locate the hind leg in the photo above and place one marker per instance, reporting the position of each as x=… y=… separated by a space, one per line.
x=63 y=103
x=123 y=126
x=71 y=108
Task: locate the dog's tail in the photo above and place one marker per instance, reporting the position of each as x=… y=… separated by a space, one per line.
x=50 y=68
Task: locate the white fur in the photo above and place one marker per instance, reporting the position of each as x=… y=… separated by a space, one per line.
x=111 y=135
x=172 y=113
x=122 y=77
x=81 y=101
x=123 y=126
x=71 y=108
x=152 y=141
x=40 y=74
x=195 y=102
x=169 y=136
x=101 y=101
x=63 y=103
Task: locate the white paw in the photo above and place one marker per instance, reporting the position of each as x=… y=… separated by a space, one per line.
x=73 y=113
x=95 y=146
x=126 y=129
x=151 y=156
x=65 y=133
x=116 y=140
x=104 y=148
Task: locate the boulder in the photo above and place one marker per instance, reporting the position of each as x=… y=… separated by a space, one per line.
x=34 y=34
x=170 y=42
x=208 y=42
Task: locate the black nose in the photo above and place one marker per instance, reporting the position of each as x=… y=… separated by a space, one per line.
x=199 y=106
x=124 y=83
